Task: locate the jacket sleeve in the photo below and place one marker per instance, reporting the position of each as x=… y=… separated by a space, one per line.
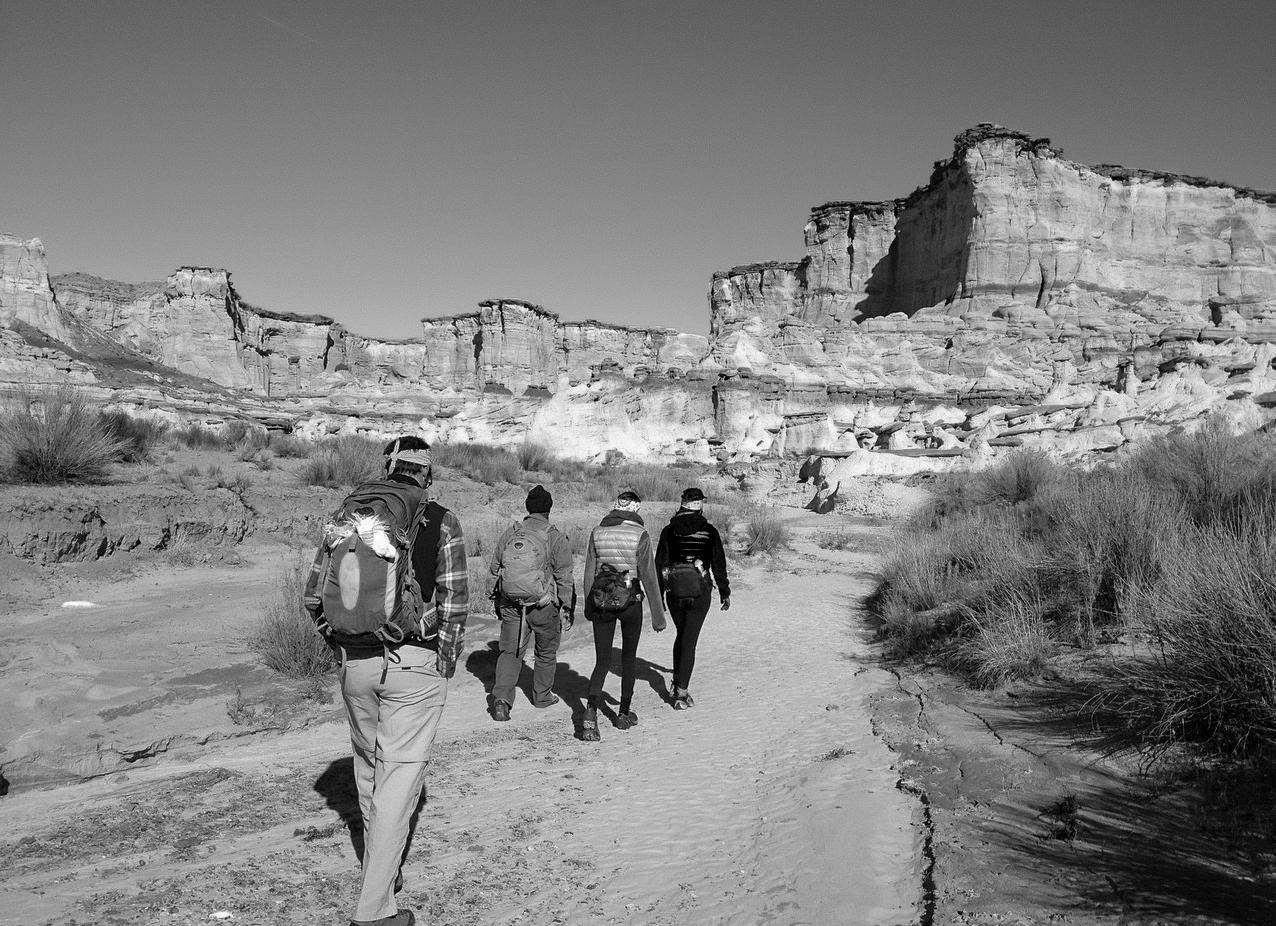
x=451 y=592
x=719 y=564
x=590 y=566
x=650 y=584
x=499 y=549
x=662 y=558
x=562 y=562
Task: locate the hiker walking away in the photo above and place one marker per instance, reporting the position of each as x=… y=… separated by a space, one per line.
x=689 y=551
x=533 y=565
x=620 y=571
x=388 y=592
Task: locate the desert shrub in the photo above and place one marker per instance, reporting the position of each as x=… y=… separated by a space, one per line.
x=936 y=582
x=839 y=539
x=237 y=431
x=289 y=447
x=533 y=457
x=343 y=462
x=1017 y=479
x=194 y=436
x=1102 y=533
x=55 y=436
x=1008 y=637
x=138 y=437
x=1209 y=673
x=653 y=483
x=214 y=472
x=765 y=532
x=482 y=462
x=285 y=638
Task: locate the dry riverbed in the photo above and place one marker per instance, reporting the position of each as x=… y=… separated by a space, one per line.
x=811 y=784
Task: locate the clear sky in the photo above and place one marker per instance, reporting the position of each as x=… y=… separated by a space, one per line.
x=382 y=161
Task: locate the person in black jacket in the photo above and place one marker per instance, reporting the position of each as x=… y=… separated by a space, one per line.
x=689 y=552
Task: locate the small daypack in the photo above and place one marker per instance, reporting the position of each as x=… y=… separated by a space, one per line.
x=526 y=578
x=612 y=591
x=686 y=580
x=366 y=587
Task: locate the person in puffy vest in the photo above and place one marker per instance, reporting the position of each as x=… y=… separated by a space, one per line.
x=533 y=565
x=394 y=692
x=689 y=553
x=620 y=570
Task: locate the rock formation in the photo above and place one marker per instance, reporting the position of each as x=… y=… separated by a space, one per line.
x=1017 y=298
x=1013 y=276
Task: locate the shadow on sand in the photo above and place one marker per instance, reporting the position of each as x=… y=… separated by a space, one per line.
x=1157 y=847
x=569 y=684
x=337 y=787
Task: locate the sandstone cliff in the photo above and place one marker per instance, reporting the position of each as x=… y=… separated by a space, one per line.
x=1016 y=298
x=1011 y=276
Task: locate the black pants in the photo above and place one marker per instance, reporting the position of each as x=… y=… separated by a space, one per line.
x=630 y=621
x=688 y=617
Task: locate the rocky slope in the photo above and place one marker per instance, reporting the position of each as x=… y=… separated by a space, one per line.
x=1016 y=298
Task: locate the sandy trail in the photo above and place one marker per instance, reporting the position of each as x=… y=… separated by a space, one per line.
x=769 y=802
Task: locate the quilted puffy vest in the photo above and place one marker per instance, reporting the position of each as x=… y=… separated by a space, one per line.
x=617 y=545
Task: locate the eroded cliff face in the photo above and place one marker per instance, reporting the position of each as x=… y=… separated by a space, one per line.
x=1016 y=298
x=1012 y=276
x=505 y=373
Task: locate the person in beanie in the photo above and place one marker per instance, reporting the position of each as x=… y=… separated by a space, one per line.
x=689 y=551
x=536 y=597
x=620 y=570
x=394 y=690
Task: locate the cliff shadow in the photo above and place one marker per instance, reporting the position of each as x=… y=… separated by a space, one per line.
x=928 y=258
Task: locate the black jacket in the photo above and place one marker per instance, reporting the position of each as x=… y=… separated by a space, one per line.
x=690 y=536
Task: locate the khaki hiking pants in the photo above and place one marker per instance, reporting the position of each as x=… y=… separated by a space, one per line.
x=392 y=726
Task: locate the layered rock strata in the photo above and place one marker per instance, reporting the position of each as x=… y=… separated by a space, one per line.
x=1012 y=276
x=1107 y=302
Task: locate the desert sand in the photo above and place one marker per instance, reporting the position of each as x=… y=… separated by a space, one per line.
x=813 y=783
x=770 y=801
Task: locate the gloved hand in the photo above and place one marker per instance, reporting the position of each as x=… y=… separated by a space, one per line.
x=445 y=667
x=726 y=603
x=568 y=619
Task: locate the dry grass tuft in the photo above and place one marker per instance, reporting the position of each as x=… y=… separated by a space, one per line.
x=286 y=638
x=55 y=436
x=343 y=463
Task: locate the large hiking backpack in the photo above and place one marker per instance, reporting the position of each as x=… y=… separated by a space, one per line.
x=366 y=587
x=525 y=577
x=686 y=580
x=612 y=590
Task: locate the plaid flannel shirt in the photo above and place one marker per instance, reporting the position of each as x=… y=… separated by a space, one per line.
x=447 y=613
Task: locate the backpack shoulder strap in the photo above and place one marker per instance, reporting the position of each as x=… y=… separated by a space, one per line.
x=425 y=536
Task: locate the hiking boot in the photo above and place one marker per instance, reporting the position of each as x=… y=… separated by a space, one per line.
x=589 y=727
x=626 y=720
x=548 y=702
x=402 y=918
x=500 y=710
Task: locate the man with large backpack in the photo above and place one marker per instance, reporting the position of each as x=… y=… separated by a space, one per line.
x=388 y=592
x=619 y=572
x=690 y=549
x=533 y=568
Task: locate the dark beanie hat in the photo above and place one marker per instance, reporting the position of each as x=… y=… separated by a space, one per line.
x=539 y=501
x=692 y=495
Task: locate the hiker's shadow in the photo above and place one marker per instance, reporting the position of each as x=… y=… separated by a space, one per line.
x=337 y=787
x=482 y=665
x=573 y=687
